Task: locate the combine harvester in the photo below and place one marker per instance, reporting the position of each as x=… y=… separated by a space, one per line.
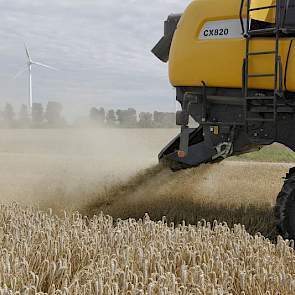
x=233 y=66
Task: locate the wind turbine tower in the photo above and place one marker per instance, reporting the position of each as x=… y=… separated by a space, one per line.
x=29 y=67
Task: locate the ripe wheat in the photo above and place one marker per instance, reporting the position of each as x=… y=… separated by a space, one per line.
x=41 y=253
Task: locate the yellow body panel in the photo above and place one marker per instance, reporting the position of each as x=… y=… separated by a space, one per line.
x=218 y=62
x=265 y=15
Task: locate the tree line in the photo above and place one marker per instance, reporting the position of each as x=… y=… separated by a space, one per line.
x=51 y=116
x=130 y=119
x=48 y=117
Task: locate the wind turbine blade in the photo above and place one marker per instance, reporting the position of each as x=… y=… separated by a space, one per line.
x=44 y=66
x=20 y=72
x=27 y=52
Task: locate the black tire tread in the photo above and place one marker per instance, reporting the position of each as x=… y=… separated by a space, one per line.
x=284 y=210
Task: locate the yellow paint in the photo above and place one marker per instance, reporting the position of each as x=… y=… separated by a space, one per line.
x=219 y=62
x=266 y=15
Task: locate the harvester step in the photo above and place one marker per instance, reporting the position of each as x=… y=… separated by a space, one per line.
x=261 y=75
x=272 y=120
x=261 y=52
x=269 y=109
x=288 y=30
x=260 y=98
x=262 y=31
x=263 y=8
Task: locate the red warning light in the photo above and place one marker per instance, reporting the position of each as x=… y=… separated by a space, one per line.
x=181 y=154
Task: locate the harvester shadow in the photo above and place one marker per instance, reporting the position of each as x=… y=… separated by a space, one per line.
x=138 y=196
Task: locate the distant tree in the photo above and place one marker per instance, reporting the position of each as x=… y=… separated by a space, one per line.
x=1 y=118
x=169 y=120
x=111 y=118
x=158 y=119
x=37 y=114
x=53 y=114
x=23 y=116
x=120 y=116
x=8 y=115
x=97 y=115
x=132 y=116
x=127 y=118
x=145 y=120
x=93 y=114
x=164 y=120
x=23 y=112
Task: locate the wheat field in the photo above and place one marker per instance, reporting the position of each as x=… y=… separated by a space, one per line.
x=231 y=191
x=81 y=214
x=45 y=254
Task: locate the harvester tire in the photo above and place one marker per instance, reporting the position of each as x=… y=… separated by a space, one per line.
x=285 y=209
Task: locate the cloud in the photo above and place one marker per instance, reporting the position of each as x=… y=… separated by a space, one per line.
x=102 y=48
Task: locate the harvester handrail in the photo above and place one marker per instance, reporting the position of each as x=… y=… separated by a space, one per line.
x=241 y=16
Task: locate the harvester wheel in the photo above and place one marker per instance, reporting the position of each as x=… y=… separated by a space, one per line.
x=285 y=208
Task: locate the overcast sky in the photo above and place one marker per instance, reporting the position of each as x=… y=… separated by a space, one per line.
x=101 y=48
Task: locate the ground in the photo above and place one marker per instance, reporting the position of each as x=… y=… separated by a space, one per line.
x=51 y=251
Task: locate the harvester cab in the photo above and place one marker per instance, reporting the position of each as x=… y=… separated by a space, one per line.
x=232 y=63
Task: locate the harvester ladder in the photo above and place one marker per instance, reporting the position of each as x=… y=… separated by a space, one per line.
x=270 y=101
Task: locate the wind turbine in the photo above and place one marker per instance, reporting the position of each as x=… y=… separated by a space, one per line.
x=28 y=67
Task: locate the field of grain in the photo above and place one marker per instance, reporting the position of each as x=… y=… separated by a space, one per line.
x=42 y=253
x=232 y=191
x=54 y=238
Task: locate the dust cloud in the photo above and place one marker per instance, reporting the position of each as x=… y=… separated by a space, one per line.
x=228 y=182
x=66 y=168
x=103 y=169
x=230 y=191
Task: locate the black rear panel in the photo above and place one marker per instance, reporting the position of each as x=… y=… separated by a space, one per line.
x=289 y=20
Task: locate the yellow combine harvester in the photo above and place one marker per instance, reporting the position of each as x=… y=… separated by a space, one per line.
x=232 y=63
